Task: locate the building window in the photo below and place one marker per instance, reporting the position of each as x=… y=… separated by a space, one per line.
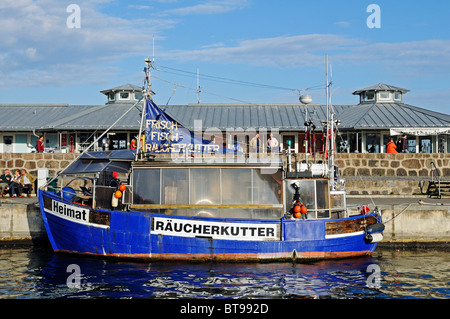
x=369 y=96
x=443 y=144
x=355 y=142
x=397 y=96
x=373 y=142
x=412 y=145
x=289 y=141
x=124 y=96
x=343 y=145
x=111 y=96
x=118 y=141
x=137 y=95
x=425 y=144
x=384 y=96
x=7 y=140
x=84 y=140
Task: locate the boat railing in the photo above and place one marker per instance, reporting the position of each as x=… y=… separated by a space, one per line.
x=187 y=157
x=320 y=213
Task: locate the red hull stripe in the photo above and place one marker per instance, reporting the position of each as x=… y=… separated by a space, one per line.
x=235 y=257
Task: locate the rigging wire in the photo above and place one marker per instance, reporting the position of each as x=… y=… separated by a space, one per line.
x=171 y=70
x=195 y=90
x=395 y=216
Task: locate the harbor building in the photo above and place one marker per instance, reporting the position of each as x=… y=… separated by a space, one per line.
x=361 y=128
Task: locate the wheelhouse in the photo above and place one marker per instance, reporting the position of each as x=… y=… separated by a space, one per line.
x=215 y=190
x=208 y=191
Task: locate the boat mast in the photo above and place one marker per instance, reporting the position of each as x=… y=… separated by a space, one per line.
x=330 y=127
x=147 y=95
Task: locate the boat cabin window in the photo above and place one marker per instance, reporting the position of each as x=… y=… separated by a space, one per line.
x=338 y=199
x=265 y=187
x=146 y=188
x=174 y=181
x=323 y=198
x=314 y=193
x=236 y=186
x=218 y=192
x=204 y=186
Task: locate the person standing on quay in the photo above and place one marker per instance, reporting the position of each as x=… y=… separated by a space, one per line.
x=272 y=144
x=402 y=145
x=255 y=144
x=390 y=146
x=40 y=144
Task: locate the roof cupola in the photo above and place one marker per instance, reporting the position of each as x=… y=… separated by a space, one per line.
x=380 y=93
x=126 y=93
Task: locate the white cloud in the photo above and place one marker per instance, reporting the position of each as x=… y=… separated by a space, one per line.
x=36 y=31
x=342 y=24
x=407 y=59
x=298 y=50
x=435 y=99
x=210 y=7
x=31 y=53
x=427 y=57
x=38 y=48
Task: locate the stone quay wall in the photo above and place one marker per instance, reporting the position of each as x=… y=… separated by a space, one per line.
x=364 y=173
x=390 y=174
x=54 y=162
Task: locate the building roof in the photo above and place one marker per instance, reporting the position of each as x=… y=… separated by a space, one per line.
x=381 y=87
x=285 y=117
x=290 y=117
x=124 y=87
x=388 y=115
x=67 y=117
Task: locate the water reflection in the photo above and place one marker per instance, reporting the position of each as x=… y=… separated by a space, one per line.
x=416 y=273
x=38 y=273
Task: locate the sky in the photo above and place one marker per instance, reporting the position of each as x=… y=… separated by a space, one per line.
x=245 y=51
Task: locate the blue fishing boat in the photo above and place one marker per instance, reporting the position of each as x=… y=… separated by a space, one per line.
x=179 y=196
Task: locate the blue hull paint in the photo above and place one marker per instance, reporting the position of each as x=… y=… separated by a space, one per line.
x=129 y=235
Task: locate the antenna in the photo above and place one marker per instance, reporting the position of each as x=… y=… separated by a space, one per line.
x=331 y=74
x=153 y=48
x=198 y=87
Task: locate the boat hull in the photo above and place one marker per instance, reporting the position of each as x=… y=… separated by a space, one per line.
x=79 y=229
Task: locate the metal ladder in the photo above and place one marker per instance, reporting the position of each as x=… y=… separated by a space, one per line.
x=437 y=187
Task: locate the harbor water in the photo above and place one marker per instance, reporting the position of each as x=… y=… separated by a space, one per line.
x=35 y=272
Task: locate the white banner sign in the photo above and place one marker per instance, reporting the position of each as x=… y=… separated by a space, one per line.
x=216 y=230
x=73 y=213
x=420 y=131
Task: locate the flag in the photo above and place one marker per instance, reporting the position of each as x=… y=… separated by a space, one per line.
x=164 y=135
